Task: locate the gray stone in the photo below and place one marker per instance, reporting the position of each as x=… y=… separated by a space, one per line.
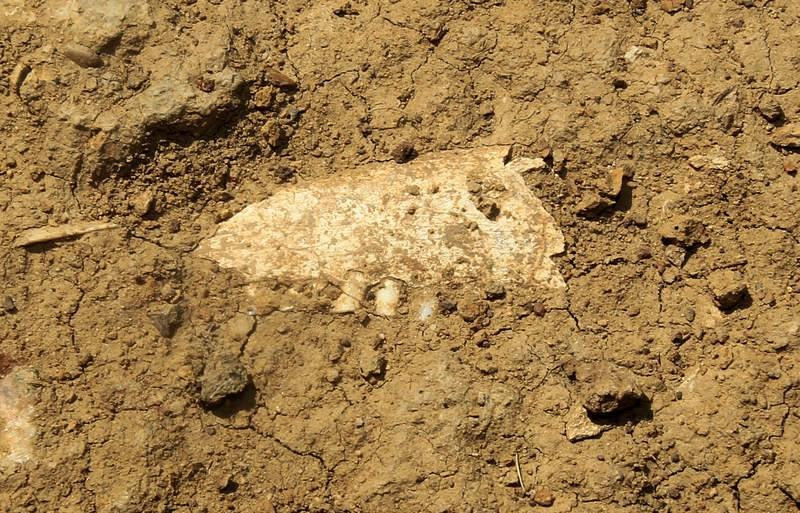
x=224 y=376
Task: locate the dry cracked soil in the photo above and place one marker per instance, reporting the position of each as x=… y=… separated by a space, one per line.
x=665 y=376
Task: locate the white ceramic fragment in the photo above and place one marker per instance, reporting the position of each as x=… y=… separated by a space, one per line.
x=16 y=427
x=426 y=309
x=387 y=297
x=464 y=216
x=353 y=290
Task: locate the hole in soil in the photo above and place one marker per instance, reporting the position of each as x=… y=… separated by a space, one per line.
x=642 y=410
x=233 y=405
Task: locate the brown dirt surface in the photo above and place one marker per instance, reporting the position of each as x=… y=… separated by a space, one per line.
x=156 y=383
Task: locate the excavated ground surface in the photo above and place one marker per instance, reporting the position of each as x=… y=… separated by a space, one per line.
x=677 y=330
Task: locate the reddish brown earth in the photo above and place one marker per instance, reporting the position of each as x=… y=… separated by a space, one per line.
x=664 y=378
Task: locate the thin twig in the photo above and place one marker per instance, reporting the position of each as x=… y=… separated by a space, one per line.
x=519 y=473
x=53 y=233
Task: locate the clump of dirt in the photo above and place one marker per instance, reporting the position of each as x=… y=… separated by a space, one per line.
x=662 y=138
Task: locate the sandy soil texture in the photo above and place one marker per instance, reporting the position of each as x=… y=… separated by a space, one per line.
x=662 y=138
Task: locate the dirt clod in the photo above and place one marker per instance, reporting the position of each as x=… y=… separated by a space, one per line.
x=6 y=364
x=9 y=306
x=591 y=204
x=144 y=203
x=683 y=230
x=372 y=366
x=224 y=376
x=615 y=179
x=728 y=287
x=770 y=110
x=672 y=6
x=607 y=389
x=578 y=426
x=544 y=497
x=471 y=310
x=404 y=152
x=787 y=136
x=495 y=292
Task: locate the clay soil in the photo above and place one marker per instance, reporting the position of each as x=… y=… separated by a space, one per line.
x=665 y=377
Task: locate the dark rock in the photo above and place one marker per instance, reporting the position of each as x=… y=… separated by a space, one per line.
x=446 y=305
x=167 y=319
x=643 y=252
x=638 y=7
x=404 y=152
x=224 y=376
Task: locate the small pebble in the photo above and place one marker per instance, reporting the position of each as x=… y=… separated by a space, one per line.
x=332 y=376
x=9 y=305
x=404 y=152
x=495 y=291
x=82 y=56
x=643 y=252
x=544 y=497
x=279 y=79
